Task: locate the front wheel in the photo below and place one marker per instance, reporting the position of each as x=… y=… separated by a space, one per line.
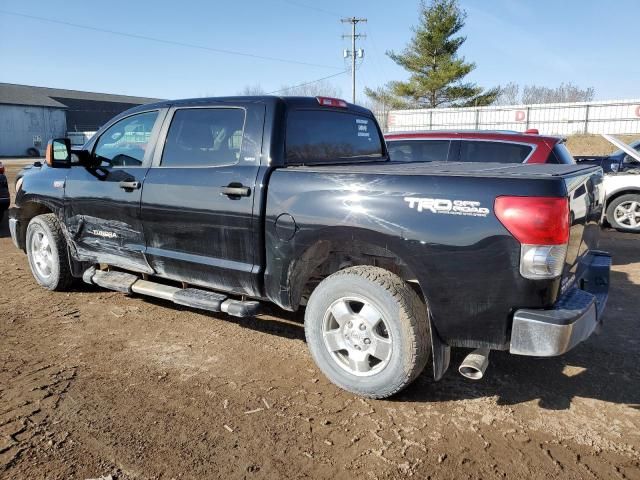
x=367 y=331
x=47 y=253
x=624 y=213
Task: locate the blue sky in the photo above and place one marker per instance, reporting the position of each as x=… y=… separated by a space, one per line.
x=545 y=42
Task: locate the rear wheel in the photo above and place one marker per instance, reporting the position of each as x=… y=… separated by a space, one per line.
x=624 y=213
x=367 y=331
x=47 y=253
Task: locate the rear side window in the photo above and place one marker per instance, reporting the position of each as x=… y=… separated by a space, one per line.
x=204 y=137
x=327 y=136
x=419 y=150
x=500 y=152
x=560 y=154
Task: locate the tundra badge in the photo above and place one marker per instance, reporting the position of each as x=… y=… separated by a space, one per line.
x=104 y=234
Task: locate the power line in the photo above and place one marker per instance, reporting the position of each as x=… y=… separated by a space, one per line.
x=381 y=67
x=307 y=83
x=168 y=42
x=317 y=9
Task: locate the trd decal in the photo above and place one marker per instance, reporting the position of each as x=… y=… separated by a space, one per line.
x=469 y=208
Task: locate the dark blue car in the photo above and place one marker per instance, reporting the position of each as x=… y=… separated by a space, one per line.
x=615 y=162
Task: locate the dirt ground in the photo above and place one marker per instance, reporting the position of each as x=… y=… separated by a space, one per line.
x=595 y=144
x=95 y=383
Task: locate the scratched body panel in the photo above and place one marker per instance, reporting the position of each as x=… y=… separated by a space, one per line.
x=465 y=261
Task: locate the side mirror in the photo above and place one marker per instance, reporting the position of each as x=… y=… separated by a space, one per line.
x=59 y=153
x=80 y=157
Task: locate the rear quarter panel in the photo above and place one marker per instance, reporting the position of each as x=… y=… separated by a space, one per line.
x=467 y=266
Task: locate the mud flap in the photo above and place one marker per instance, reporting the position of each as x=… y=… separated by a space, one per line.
x=441 y=353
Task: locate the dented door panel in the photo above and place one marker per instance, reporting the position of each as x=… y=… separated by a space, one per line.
x=103 y=220
x=102 y=201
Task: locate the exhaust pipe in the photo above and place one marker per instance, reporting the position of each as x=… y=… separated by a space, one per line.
x=474 y=364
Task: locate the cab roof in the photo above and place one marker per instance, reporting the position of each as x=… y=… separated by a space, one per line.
x=288 y=102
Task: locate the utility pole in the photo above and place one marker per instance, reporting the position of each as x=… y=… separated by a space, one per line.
x=353 y=53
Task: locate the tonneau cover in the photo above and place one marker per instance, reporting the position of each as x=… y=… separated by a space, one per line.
x=466 y=169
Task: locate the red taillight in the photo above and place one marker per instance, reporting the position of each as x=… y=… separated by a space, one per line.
x=535 y=220
x=532 y=131
x=1 y=168
x=331 y=102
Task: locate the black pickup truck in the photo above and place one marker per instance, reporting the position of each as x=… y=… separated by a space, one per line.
x=223 y=203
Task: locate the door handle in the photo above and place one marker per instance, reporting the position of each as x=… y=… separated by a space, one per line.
x=236 y=190
x=133 y=185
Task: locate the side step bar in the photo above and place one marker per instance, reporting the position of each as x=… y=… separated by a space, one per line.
x=189 y=297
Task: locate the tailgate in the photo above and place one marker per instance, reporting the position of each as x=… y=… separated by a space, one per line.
x=585 y=191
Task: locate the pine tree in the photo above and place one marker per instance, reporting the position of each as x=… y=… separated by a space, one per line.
x=437 y=72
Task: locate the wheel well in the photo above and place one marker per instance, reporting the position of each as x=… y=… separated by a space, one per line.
x=28 y=211
x=620 y=193
x=327 y=257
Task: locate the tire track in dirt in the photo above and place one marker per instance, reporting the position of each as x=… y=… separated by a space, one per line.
x=28 y=401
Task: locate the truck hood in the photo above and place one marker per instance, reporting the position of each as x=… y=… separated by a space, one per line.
x=632 y=152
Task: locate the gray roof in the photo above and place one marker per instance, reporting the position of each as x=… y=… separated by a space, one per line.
x=13 y=94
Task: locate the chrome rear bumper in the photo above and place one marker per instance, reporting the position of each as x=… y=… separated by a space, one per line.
x=547 y=333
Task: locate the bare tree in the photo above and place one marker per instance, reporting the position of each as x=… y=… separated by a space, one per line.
x=251 y=90
x=380 y=103
x=511 y=94
x=565 y=92
x=322 y=88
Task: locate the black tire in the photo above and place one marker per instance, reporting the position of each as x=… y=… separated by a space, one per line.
x=59 y=278
x=620 y=202
x=405 y=318
x=33 y=152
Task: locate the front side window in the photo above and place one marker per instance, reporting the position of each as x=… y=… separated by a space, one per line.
x=329 y=136
x=419 y=150
x=204 y=137
x=499 y=152
x=125 y=143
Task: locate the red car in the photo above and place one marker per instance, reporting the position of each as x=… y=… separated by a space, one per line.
x=477 y=146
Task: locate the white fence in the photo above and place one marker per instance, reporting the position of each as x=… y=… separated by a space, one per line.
x=616 y=117
x=79 y=138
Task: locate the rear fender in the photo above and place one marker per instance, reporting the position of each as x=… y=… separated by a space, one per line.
x=361 y=250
